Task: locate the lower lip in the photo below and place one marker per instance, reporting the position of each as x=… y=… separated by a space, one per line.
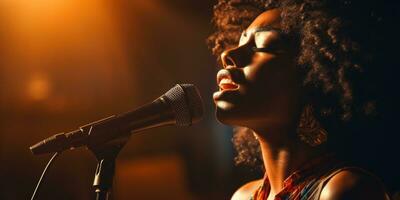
x=225 y=94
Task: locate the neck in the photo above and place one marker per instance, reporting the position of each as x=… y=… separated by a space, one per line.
x=282 y=155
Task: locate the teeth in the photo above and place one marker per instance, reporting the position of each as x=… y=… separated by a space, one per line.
x=226 y=81
x=226 y=84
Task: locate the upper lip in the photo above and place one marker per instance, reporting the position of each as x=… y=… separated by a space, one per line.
x=225 y=74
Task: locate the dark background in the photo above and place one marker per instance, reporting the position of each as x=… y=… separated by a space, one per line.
x=66 y=63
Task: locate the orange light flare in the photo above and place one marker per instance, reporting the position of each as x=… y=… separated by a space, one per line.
x=76 y=44
x=38 y=88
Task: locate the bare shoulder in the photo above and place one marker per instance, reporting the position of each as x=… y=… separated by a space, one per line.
x=245 y=192
x=353 y=184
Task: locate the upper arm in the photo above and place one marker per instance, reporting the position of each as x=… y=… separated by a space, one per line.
x=353 y=185
x=245 y=192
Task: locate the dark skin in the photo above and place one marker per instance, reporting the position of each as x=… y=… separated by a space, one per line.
x=260 y=89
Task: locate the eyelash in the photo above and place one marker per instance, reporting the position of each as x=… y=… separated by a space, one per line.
x=267 y=50
x=264 y=49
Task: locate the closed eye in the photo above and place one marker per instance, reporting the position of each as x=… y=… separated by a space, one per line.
x=267 y=50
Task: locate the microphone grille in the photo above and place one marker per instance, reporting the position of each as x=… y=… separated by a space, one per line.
x=186 y=102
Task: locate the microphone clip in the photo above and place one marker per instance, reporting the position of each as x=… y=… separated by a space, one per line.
x=106 y=155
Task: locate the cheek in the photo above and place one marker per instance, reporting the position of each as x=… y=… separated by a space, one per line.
x=271 y=77
x=267 y=70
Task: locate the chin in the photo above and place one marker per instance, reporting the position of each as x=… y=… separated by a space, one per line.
x=230 y=116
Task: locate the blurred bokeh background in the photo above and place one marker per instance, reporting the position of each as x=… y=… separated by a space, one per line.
x=64 y=63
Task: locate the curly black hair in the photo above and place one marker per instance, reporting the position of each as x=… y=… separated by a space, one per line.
x=339 y=42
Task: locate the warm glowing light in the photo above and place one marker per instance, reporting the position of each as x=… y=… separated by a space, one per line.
x=66 y=40
x=38 y=88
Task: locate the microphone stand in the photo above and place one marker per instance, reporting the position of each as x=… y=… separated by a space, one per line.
x=105 y=155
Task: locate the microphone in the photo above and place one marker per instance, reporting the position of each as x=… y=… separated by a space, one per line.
x=181 y=106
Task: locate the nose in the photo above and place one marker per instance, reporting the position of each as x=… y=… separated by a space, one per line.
x=234 y=57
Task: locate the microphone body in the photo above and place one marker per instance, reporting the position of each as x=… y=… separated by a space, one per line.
x=181 y=106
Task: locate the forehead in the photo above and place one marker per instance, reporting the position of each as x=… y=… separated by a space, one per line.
x=270 y=18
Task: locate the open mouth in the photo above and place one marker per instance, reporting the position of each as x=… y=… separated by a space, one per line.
x=227 y=84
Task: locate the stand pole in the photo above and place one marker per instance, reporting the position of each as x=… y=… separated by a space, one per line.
x=103 y=179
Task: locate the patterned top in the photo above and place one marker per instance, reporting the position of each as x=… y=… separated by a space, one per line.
x=305 y=183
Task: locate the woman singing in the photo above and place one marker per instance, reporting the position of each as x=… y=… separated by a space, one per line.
x=293 y=78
